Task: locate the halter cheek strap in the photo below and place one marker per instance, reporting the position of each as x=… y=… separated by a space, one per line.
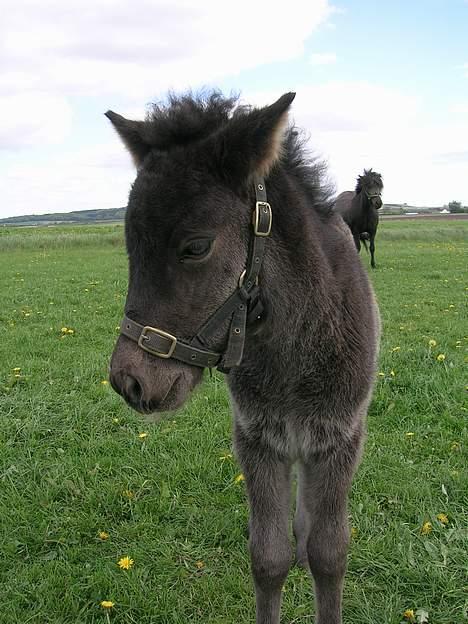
x=243 y=306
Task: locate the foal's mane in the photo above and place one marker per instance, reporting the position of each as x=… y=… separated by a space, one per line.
x=368 y=178
x=191 y=117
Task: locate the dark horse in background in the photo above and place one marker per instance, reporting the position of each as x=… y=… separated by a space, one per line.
x=360 y=209
x=238 y=261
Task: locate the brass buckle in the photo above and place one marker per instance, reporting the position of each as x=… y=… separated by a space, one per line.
x=265 y=208
x=143 y=337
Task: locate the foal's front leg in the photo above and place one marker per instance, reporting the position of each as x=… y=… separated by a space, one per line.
x=321 y=524
x=268 y=486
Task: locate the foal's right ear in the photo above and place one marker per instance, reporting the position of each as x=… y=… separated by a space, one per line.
x=132 y=134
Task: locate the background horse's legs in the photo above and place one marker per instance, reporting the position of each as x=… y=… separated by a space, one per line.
x=372 y=250
x=268 y=487
x=357 y=240
x=324 y=482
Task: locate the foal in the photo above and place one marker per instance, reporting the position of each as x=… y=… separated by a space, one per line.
x=360 y=209
x=236 y=260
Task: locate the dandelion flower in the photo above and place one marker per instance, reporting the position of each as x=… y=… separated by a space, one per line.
x=142 y=435
x=426 y=528
x=443 y=518
x=409 y=615
x=392 y=373
x=103 y=535
x=239 y=478
x=381 y=374
x=199 y=564
x=440 y=357
x=104 y=382
x=226 y=456
x=125 y=563
x=64 y=330
x=354 y=532
x=107 y=604
x=17 y=369
x=432 y=343
x=70 y=331
x=396 y=349
x=455 y=446
x=409 y=434
x=116 y=420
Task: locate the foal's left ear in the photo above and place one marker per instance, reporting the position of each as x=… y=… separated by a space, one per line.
x=251 y=143
x=132 y=134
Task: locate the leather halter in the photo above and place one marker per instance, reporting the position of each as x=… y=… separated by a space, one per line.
x=242 y=306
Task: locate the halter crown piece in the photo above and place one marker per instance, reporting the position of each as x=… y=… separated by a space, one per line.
x=242 y=306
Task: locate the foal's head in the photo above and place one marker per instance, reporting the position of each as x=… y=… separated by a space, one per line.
x=187 y=228
x=371 y=184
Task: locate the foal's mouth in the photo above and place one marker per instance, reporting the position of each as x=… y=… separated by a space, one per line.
x=140 y=398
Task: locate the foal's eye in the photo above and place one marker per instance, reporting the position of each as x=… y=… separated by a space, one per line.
x=196 y=249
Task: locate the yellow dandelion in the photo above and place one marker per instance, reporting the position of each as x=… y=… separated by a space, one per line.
x=64 y=330
x=396 y=349
x=409 y=614
x=103 y=535
x=225 y=456
x=432 y=343
x=392 y=373
x=70 y=331
x=239 y=478
x=409 y=434
x=104 y=382
x=116 y=420
x=426 y=528
x=107 y=604
x=17 y=369
x=381 y=374
x=125 y=563
x=142 y=435
x=199 y=564
x=440 y=357
x=443 y=518
x=354 y=532
x=455 y=446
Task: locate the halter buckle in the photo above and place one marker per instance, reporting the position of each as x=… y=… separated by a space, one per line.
x=262 y=219
x=159 y=332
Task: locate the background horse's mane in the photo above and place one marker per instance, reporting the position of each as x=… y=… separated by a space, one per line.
x=188 y=118
x=368 y=178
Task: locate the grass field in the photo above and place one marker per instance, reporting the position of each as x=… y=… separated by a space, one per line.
x=85 y=482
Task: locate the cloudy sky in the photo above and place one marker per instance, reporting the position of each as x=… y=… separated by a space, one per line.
x=378 y=84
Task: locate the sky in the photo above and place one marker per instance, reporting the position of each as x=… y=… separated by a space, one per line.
x=379 y=84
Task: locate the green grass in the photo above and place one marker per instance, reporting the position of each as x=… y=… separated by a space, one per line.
x=71 y=453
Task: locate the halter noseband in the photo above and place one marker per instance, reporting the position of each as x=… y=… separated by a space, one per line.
x=242 y=306
x=372 y=195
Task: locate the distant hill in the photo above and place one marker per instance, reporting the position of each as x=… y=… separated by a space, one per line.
x=78 y=216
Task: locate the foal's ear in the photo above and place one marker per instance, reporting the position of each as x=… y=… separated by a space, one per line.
x=132 y=134
x=251 y=143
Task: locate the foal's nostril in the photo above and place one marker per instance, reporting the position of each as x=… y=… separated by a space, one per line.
x=132 y=390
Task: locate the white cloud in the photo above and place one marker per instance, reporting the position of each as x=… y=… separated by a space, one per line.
x=45 y=120
x=325 y=58
x=98 y=177
x=100 y=47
